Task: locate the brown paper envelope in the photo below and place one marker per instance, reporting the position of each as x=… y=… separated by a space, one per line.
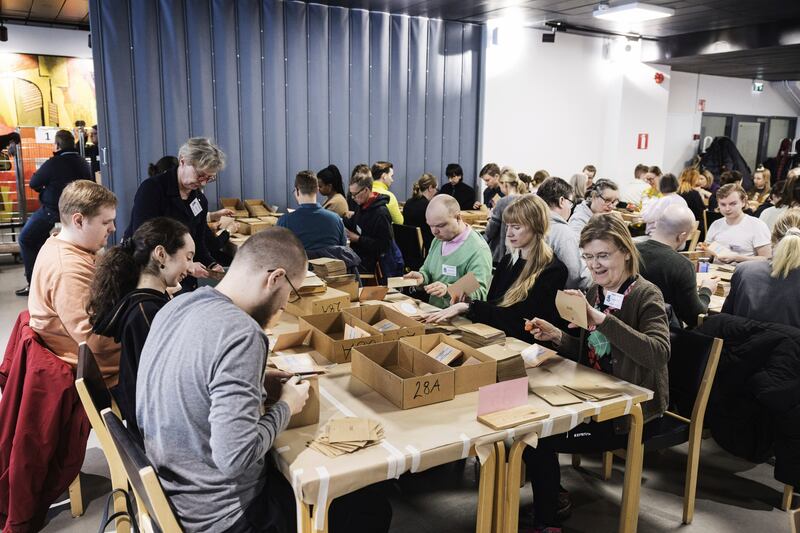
x=385 y=325
x=467 y=284
x=601 y=392
x=354 y=332
x=445 y=354
x=482 y=330
x=348 y=430
x=372 y=293
x=555 y=395
x=572 y=308
x=395 y=283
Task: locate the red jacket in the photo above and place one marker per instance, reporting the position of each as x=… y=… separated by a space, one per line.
x=43 y=430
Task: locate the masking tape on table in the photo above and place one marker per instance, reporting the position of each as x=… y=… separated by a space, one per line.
x=396 y=461
x=574 y=414
x=509 y=440
x=336 y=403
x=628 y=404
x=320 y=511
x=547 y=428
x=465 y=445
x=594 y=406
x=414 y=458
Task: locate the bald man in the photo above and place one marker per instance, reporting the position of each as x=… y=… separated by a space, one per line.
x=662 y=265
x=456 y=249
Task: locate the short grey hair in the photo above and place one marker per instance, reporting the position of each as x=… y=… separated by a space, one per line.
x=675 y=219
x=203 y=154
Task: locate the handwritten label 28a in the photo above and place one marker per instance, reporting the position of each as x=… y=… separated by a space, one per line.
x=425 y=388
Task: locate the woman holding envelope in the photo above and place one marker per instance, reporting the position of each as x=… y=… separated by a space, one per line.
x=627 y=335
x=526 y=280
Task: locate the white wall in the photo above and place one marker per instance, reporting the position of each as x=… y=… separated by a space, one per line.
x=46 y=41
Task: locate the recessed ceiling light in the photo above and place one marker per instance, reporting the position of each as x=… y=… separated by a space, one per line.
x=632 y=12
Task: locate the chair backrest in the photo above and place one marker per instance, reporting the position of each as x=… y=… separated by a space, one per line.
x=141 y=475
x=692 y=367
x=409 y=240
x=89 y=373
x=708 y=218
x=693 y=240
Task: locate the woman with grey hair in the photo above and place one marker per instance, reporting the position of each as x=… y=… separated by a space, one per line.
x=177 y=194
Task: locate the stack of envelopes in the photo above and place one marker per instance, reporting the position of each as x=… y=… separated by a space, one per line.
x=326 y=267
x=346 y=435
x=478 y=335
x=592 y=392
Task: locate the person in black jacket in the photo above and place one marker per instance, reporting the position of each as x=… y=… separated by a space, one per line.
x=490 y=174
x=414 y=210
x=129 y=288
x=49 y=180
x=523 y=288
x=176 y=194
x=455 y=187
x=370 y=228
x=92 y=150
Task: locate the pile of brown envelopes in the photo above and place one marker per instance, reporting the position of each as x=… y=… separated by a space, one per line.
x=346 y=435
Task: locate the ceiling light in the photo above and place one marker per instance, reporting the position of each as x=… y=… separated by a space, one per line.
x=631 y=12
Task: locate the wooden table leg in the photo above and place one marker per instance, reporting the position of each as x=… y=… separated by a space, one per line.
x=499 y=488
x=629 y=514
x=513 y=476
x=304 y=516
x=487 y=488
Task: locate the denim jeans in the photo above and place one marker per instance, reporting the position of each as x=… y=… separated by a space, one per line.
x=33 y=236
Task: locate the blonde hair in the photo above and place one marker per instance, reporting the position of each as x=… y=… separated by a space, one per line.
x=762 y=196
x=610 y=227
x=425 y=182
x=578 y=182
x=203 y=155
x=532 y=212
x=690 y=178
x=729 y=189
x=786 y=244
x=509 y=176
x=84 y=197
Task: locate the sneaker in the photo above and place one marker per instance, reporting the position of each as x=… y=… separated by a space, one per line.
x=24 y=291
x=527 y=519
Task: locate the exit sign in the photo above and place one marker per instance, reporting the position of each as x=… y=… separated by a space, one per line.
x=758 y=86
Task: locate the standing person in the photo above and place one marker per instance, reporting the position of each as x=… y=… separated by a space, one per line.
x=559 y=197
x=601 y=199
x=455 y=187
x=382 y=179
x=176 y=193
x=330 y=186
x=210 y=442
x=315 y=226
x=490 y=174
x=525 y=284
x=455 y=250
x=92 y=150
x=422 y=192
x=62 y=277
x=129 y=288
x=49 y=181
x=744 y=238
x=668 y=187
x=628 y=337
x=370 y=227
x=511 y=187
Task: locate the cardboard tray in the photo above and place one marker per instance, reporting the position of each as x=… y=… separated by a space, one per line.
x=330 y=301
x=257 y=208
x=235 y=205
x=372 y=314
x=467 y=378
x=327 y=330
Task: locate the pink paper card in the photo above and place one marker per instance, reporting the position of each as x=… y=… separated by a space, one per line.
x=502 y=396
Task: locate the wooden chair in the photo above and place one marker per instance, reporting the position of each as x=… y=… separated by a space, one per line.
x=412 y=245
x=694 y=238
x=692 y=367
x=95 y=397
x=151 y=502
x=708 y=218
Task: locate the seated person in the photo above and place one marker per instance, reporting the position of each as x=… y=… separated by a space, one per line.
x=523 y=286
x=729 y=176
x=559 y=197
x=455 y=250
x=628 y=337
x=745 y=238
x=455 y=187
x=633 y=192
x=330 y=186
x=129 y=287
x=382 y=179
x=668 y=186
x=601 y=198
x=536 y=180
x=690 y=190
x=210 y=443
x=651 y=177
x=422 y=192
x=761 y=188
x=315 y=226
x=490 y=174
x=779 y=202
x=495 y=234
x=770 y=290
x=63 y=273
x=674 y=274
x=370 y=227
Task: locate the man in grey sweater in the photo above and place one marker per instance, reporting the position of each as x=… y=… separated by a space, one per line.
x=201 y=387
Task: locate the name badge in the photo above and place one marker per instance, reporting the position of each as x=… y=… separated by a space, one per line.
x=614 y=300
x=449 y=270
x=195 y=207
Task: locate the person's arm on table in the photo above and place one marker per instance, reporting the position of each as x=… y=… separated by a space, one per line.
x=692 y=301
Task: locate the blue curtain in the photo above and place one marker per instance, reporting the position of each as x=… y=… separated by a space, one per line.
x=282 y=87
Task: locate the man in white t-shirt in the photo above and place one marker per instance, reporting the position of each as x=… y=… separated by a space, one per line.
x=668 y=186
x=737 y=237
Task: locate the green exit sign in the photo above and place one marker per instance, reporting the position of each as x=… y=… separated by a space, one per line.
x=758 y=86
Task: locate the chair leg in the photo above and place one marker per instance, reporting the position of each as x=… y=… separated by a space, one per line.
x=690 y=488
x=76 y=497
x=576 y=460
x=608 y=463
x=788 y=492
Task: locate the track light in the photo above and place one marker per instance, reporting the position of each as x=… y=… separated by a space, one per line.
x=3 y=32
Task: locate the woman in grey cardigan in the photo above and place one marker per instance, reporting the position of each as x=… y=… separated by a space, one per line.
x=628 y=337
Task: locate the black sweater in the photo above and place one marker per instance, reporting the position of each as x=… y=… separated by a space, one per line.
x=540 y=303
x=489 y=194
x=56 y=173
x=129 y=324
x=463 y=193
x=374 y=225
x=414 y=215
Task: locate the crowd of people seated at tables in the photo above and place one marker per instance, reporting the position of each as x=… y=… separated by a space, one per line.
x=544 y=234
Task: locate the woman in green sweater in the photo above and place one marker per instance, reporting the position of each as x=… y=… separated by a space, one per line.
x=628 y=337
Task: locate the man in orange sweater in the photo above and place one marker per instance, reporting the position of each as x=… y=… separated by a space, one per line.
x=63 y=275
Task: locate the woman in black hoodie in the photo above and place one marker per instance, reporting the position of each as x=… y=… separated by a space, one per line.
x=129 y=288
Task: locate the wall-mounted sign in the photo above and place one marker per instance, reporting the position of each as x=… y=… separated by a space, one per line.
x=758 y=86
x=46 y=135
x=701 y=104
x=642 y=141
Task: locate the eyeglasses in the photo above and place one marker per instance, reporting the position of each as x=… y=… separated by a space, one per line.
x=295 y=294
x=608 y=201
x=601 y=258
x=354 y=194
x=205 y=178
x=570 y=200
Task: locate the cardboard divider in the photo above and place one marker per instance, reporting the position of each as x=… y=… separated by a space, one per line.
x=235 y=205
x=327 y=334
x=372 y=314
x=468 y=378
x=300 y=342
x=403 y=374
x=330 y=301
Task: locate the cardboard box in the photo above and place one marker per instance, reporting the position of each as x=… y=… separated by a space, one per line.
x=372 y=314
x=235 y=205
x=257 y=208
x=327 y=334
x=251 y=226
x=330 y=301
x=270 y=220
x=350 y=286
x=404 y=375
x=468 y=378
x=300 y=342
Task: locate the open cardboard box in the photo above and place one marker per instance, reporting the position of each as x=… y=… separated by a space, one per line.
x=257 y=208
x=467 y=378
x=350 y=286
x=251 y=226
x=300 y=342
x=327 y=334
x=330 y=301
x=372 y=314
x=235 y=205
x=404 y=375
